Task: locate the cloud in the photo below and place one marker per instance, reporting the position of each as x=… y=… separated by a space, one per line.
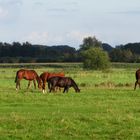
x=9 y=11
x=36 y=37
x=11 y=2
x=77 y=35
x=15 y=2
x=128 y=12
x=47 y=38
x=38 y=3
x=3 y=13
x=60 y=10
x=73 y=4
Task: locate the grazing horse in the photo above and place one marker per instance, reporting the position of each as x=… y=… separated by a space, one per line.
x=65 y=82
x=46 y=75
x=137 y=74
x=30 y=75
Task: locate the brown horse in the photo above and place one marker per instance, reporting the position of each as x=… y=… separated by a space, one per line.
x=137 y=74
x=46 y=75
x=65 y=82
x=30 y=75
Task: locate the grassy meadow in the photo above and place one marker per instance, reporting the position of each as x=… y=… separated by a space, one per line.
x=107 y=108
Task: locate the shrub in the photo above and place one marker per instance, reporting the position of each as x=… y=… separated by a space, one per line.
x=95 y=58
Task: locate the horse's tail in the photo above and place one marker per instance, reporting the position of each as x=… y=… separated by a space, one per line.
x=16 y=78
x=137 y=74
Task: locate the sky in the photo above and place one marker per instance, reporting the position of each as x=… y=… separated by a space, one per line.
x=68 y=22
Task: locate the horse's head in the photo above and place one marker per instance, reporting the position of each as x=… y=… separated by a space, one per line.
x=77 y=90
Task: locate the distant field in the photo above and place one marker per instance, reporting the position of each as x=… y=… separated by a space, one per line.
x=107 y=107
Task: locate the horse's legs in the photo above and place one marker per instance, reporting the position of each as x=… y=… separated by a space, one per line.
x=58 y=89
x=139 y=85
x=49 y=86
x=44 y=86
x=51 y=89
x=135 y=85
x=18 y=84
x=65 y=89
x=29 y=85
x=34 y=83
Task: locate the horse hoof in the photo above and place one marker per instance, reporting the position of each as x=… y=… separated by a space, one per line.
x=43 y=91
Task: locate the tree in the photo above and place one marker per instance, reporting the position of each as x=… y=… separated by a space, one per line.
x=121 y=55
x=95 y=58
x=93 y=55
x=106 y=47
x=90 y=42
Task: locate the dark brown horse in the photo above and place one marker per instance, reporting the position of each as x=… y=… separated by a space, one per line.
x=65 y=82
x=46 y=75
x=137 y=74
x=30 y=75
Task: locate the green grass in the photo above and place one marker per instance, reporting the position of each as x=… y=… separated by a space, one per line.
x=99 y=112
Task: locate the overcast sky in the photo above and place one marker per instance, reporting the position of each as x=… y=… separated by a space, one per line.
x=67 y=22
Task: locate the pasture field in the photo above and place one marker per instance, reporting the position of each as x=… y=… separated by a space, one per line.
x=107 y=108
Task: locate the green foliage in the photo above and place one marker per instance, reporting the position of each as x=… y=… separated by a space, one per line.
x=121 y=55
x=27 y=52
x=93 y=55
x=133 y=47
x=95 y=58
x=90 y=42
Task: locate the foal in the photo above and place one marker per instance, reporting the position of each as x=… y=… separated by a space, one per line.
x=65 y=82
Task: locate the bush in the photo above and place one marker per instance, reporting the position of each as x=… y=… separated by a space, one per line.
x=95 y=58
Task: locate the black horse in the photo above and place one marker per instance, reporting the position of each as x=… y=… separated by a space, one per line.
x=65 y=82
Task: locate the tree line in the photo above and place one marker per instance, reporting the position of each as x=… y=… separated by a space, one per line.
x=27 y=52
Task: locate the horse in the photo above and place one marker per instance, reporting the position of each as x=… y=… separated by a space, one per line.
x=137 y=74
x=65 y=82
x=30 y=75
x=46 y=75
